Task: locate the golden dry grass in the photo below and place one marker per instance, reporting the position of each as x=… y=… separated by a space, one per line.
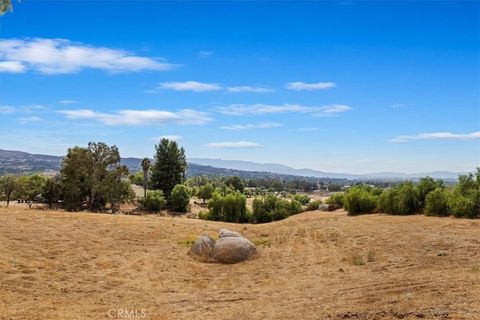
x=57 y=265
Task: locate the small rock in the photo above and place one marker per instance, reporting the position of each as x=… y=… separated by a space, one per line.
x=323 y=207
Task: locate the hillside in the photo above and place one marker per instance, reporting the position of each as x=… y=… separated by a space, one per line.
x=317 y=265
x=23 y=162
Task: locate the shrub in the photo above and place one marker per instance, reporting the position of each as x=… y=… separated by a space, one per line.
x=335 y=201
x=231 y=207
x=272 y=208
x=314 y=205
x=205 y=192
x=463 y=206
x=360 y=200
x=425 y=186
x=436 y=203
x=155 y=201
x=180 y=198
x=302 y=198
x=401 y=200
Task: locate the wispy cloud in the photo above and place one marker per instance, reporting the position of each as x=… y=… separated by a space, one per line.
x=248 y=89
x=260 y=125
x=206 y=54
x=61 y=56
x=258 y=109
x=33 y=108
x=66 y=101
x=7 y=109
x=140 y=117
x=169 y=137
x=437 y=136
x=190 y=86
x=234 y=144
x=29 y=119
x=299 y=85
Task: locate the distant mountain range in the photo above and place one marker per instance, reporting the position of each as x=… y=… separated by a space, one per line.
x=23 y=162
x=282 y=169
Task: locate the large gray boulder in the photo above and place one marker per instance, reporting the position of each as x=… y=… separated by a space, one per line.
x=202 y=249
x=223 y=233
x=233 y=250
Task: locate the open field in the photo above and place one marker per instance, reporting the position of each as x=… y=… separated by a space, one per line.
x=317 y=265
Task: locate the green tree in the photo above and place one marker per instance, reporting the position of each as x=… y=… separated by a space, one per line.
x=30 y=188
x=360 y=200
x=52 y=191
x=146 y=168
x=155 y=201
x=205 y=192
x=94 y=176
x=236 y=183
x=8 y=185
x=436 y=203
x=169 y=167
x=425 y=186
x=180 y=198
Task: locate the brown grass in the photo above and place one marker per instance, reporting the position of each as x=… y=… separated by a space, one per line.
x=57 y=265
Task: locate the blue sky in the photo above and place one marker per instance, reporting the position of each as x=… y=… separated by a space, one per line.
x=336 y=86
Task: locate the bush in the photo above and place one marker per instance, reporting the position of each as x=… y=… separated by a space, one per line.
x=400 y=200
x=336 y=201
x=303 y=199
x=180 y=198
x=463 y=206
x=272 y=208
x=314 y=205
x=360 y=200
x=155 y=201
x=231 y=207
x=436 y=203
x=205 y=192
x=425 y=186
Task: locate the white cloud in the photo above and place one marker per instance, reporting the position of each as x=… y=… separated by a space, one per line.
x=29 y=119
x=438 y=136
x=169 y=137
x=190 y=86
x=66 y=101
x=33 y=108
x=12 y=67
x=299 y=85
x=206 y=54
x=234 y=144
x=7 y=109
x=255 y=109
x=248 y=89
x=60 y=56
x=260 y=125
x=140 y=117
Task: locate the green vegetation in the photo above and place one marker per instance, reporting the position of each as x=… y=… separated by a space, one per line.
x=272 y=208
x=335 y=201
x=436 y=203
x=360 y=200
x=313 y=205
x=155 y=201
x=180 y=198
x=169 y=167
x=231 y=207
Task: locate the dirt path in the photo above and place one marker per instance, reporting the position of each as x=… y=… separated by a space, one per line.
x=56 y=265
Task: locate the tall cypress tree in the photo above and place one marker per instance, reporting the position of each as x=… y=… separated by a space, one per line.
x=169 y=167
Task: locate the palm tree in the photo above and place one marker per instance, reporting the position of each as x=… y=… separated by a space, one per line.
x=5 y=5
x=146 y=168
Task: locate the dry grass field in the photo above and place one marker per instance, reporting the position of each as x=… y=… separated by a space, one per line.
x=317 y=265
